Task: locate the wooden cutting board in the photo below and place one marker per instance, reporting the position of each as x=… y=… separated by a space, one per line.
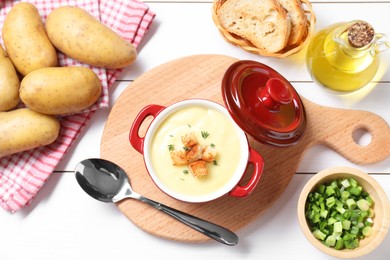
x=200 y=77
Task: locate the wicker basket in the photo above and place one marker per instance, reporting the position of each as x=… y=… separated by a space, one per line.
x=248 y=46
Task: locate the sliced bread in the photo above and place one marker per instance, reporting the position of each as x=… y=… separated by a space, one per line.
x=264 y=23
x=298 y=19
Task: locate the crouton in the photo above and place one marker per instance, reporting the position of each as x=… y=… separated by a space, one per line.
x=189 y=140
x=179 y=157
x=198 y=168
x=194 y=153
x=209 y=154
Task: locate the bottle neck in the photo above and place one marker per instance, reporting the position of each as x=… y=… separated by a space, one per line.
x=355 y=52
x=356 y=38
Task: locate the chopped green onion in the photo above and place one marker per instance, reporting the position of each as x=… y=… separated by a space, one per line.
x=330 y=202
x=347 y=214
x=345 y=183
x=363 y=204
x=346 y=224
x=340 y=209
x=321 y=189
x=340 y=213
x=353 y=182
x=368 y=222
x=355 y=190
x=345 y=195
x=337 y=227
x=367 y=231
x=339 y=244
x=371 y=213
x=351 y=203
x=360 y=225
x=330 y=241
x=331 y=221
x=354 y=230
x=324 y=213
x=351 y=244
x=329 y=191
x=318 y=234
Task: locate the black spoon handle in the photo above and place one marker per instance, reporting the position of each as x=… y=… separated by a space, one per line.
x=207 y=228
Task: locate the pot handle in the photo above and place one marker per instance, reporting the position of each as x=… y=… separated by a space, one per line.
x=257 y=160
x=137 y=141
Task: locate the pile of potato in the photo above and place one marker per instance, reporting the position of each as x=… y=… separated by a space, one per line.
x=29 y=71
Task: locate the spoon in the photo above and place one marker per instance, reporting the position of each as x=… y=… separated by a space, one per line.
x=107 y=182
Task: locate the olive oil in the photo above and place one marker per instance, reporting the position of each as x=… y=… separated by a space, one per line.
x=338 y=65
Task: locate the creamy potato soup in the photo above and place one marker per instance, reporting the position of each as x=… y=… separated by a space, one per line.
x=212 y=129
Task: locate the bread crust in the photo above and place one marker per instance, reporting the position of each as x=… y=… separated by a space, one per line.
x=298 y=20
x=266 y=24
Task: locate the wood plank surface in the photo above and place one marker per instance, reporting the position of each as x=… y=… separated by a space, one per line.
x=62 y=222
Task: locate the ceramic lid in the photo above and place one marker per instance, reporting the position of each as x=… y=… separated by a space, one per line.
x=263 y=103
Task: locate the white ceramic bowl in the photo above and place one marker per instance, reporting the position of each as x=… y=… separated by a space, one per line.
x=144 y=145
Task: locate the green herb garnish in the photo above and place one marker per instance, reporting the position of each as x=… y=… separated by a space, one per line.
x=215 y=162
x=205 y=134
x=212 y=145
x=186 y=148
x=185 y=172
x=171 y=147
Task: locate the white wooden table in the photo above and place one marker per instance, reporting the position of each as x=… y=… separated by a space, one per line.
x=65 y=223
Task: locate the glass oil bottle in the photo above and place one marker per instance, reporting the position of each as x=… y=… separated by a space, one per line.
x=344 y=56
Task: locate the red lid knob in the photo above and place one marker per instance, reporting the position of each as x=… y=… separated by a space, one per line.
x=275 y=93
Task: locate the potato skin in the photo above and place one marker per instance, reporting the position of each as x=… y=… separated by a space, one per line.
x=23 y=129
x=60 y=90
x=9 y=83
x=82 y=37
x=26 y=41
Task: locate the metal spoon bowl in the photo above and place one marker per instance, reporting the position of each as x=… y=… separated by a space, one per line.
x=107 y=182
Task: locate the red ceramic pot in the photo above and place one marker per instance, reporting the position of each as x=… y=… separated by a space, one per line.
x=213 y=126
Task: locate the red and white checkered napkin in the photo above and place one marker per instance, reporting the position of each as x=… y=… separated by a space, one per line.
x=22 y=175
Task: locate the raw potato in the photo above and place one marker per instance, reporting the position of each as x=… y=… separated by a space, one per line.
x=23 y=129
x=9 y=83
x=26 y=41
x=60 y=90
x=82 y=37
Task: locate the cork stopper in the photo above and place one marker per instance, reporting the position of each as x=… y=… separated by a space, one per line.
x=360 y=34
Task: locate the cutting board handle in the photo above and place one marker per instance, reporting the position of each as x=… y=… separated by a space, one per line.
x=337 y=128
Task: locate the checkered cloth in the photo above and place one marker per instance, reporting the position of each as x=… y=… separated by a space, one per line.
x=23 y=174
